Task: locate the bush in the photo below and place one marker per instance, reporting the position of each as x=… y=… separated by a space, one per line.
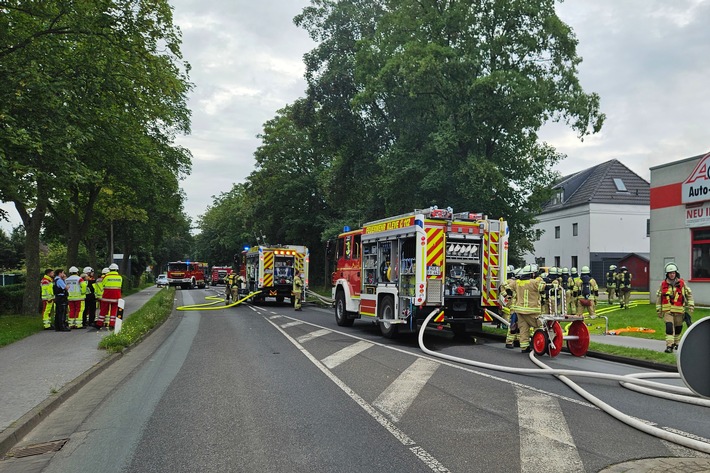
x=11 y=299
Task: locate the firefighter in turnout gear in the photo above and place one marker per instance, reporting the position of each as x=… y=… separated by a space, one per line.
x=586 y=292
x=611 y=284
x=673 y=300
x=47 y=298
x=297 y=290
x=528 y=290
x=231 y=290
x=566 y=284
x=508 y=292
x=624 y=285
x=573 y=276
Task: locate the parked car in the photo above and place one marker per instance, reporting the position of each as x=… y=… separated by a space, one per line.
x=161 y=280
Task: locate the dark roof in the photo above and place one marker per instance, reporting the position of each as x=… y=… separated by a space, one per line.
x=596 y=185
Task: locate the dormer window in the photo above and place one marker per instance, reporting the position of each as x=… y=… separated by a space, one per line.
x=558 y=197
x=620 y=186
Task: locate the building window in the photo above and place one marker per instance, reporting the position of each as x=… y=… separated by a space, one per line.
x=575 y=229
x=557 y=261
x=540 y=262
x=574 y=262
x=620 y=186
x=558 y=197
x=701 y=253
x=557 y=232
x=648 y=227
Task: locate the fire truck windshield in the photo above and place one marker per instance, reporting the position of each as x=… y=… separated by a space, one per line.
x=177 y=266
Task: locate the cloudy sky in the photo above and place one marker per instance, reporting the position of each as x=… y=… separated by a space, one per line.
x=649 y=60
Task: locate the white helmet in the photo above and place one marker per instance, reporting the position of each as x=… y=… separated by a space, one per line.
x=105 y=271
x=585 y=270
x=88 y=270
x=73 y=270
x=113 y=267
x=671 y=267
x=612 y=267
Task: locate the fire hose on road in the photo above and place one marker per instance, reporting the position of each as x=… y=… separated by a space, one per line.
x=647 y=387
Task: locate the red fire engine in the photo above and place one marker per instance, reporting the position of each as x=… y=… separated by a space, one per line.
x=220 y=274
x=187 y=274
x=397 y=270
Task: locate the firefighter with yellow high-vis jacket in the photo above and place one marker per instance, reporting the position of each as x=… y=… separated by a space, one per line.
x=528 y=289
x=47 y=286
x=297 y=290
x=112 y=284
x=673 y=300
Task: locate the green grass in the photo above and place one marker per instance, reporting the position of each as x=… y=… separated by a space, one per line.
x=17 y=327
x=152 y=314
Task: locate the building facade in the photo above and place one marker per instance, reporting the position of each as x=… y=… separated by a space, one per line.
x=680 y=223
x=597 y=217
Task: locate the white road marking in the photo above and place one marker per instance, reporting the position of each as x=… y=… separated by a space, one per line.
x=396 y=399
x=272 y=317
x=418 y=451
x=291 y=324
x=312 y=335
x=545 y=440
x=341 y=356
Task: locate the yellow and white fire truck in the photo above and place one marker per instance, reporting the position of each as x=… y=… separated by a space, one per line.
x=399 y=269
x=271 y=269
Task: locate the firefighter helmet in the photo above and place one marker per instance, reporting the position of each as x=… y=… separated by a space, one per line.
x=565 y=271
x=585 y=270
x=527 y=269
x=88 y=270
x=573 y=270
x=113 y=267
x=534 y=268
x=554 y=271
x=105 y=271
x=671 y=267
x=73 y=270
x=612 y=267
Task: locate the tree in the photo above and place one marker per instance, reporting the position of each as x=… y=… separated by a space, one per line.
x=91 y=88
x=455 y=93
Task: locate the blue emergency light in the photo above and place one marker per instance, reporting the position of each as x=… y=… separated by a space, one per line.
x=346 y=229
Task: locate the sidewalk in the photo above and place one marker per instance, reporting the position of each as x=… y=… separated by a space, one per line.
x=39 y=372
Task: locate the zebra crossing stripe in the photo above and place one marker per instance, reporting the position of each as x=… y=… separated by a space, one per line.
x=312 y=335
x=291 y=324
x=345 y=354
x=396 y=399
x=545 y=440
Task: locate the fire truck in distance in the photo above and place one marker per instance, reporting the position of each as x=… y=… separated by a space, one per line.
x=187 y=274
x=270 y=269
x=398 y=270
x=220 y=274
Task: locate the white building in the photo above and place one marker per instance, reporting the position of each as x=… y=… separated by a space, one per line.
x=597 y=217
x=680 y=223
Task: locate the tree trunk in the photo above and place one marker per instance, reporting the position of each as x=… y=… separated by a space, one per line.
x=33 y=225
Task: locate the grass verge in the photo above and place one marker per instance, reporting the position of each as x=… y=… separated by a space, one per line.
x=152 y=314
x=17 y=327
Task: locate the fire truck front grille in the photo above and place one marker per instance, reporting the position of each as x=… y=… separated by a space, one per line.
x=434 y=292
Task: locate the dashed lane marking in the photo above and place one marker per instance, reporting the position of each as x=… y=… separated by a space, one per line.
x=312 y=335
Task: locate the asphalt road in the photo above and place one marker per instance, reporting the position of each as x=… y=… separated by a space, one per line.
x=264 y=388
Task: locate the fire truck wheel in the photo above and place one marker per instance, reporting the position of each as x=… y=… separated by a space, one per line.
x=341 y=315
x=388 y=329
